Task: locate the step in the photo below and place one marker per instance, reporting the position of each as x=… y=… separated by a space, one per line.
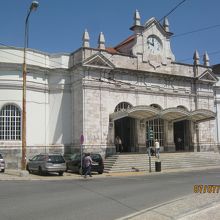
x=125 y=162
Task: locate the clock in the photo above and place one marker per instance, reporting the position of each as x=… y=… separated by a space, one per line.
x=154 y=45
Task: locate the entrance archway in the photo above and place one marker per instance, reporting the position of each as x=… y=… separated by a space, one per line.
x=181 y=135
x=125 y=129
x=126 y=120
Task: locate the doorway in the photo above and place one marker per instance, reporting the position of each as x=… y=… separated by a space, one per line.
x=181 y=135
x=125 y=129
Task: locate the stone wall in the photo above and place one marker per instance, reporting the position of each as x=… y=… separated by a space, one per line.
x=13 y=154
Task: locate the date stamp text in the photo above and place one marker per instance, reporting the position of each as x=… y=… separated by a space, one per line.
x=206 y=188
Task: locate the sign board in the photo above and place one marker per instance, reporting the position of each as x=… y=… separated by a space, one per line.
x=150 y=134
x=81 y=139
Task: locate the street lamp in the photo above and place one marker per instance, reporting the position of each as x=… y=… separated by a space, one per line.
x=33 y=7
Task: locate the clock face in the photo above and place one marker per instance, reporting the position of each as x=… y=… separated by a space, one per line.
x=153 y=45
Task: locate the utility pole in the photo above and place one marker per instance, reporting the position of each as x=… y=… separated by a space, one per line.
x=33 y=7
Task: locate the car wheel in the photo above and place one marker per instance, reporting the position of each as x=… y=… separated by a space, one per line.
x=27 y=168
x=3 y=170
x=100 y=172
x=61 y=173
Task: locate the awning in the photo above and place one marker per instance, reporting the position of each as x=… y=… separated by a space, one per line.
x=174 y=114
x=118 y=115
x=140 y=112
x=201 y=115
x=169 y=114
x=143 y=112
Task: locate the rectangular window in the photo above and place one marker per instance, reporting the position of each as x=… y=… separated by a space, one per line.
x=157 y=126
x=10 y=123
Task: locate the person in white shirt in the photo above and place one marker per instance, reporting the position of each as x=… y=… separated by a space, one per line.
x=118 y=144
x=157 y=148
x=87 y=161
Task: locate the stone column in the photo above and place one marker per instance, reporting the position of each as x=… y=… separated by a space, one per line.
x=111 y=149
x=141 y=136
x=169 y=145
x=197 y=142
x=193 y=137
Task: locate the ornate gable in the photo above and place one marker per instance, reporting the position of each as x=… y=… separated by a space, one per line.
x=98 y=61
x=153 y=43
x=208 y=77
x=153 y=22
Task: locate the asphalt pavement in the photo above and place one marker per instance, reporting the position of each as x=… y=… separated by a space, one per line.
x=203 y=204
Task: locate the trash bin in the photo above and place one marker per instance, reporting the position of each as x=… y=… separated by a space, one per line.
x=158 y=166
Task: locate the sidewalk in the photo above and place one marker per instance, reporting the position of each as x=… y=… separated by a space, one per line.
x=193 y=207
x=11 y=174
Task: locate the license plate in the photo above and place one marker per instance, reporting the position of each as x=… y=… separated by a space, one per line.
x=57 y=165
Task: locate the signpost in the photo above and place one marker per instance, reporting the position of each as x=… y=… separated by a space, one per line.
x=150 y=163
x=81 y=150
x=151 y=134
x=150 y=137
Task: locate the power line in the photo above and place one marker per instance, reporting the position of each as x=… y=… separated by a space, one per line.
x=197 y=30
x=172 y=10
x=16 y=55
x=36 y=55
x=174 y=36
x=211 y=53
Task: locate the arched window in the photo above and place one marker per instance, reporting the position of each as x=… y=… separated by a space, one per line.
x=156 y=106
x=122 y=106
x=182 y=107
x=10 y=123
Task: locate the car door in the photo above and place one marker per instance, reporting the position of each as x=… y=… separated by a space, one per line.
x=75 y=162
x=33 y=163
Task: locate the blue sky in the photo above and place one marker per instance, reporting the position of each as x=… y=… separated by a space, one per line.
x=57 y=26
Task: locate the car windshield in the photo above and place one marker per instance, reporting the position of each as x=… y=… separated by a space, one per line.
x=95 y=156
x=75 y=157
x=55 y=159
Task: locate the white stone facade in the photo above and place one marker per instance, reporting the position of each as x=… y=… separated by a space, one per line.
x=73 y=94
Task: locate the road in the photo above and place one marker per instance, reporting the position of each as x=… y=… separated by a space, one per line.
x=95 y=198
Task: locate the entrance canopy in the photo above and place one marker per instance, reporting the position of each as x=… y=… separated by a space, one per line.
x=139 y=112
x=202 y=115
x=174 y=114
x=169 y=114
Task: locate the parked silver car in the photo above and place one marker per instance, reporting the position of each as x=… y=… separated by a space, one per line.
x=2 y=164
x=46 y=163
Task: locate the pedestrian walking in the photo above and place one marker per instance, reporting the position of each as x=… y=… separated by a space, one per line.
x=157 y=148
x=87 y=162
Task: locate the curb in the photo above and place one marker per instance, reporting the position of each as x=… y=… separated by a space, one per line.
x=193 y=206
x=16 y=174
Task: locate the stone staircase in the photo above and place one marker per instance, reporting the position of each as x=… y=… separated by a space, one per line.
x=140 y=162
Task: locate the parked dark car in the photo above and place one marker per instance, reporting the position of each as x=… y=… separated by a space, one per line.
x=73 y=163
x=2 y=164
x=46 y=163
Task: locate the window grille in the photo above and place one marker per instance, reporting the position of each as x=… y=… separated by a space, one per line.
x=182 y=107
x=10 y=123
x=156 y=106
x=122 y=106
x=157 y=125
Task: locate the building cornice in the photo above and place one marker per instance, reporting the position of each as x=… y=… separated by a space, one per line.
x=32 y=68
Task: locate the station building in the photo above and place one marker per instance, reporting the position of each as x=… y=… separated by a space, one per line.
x=136 y=91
